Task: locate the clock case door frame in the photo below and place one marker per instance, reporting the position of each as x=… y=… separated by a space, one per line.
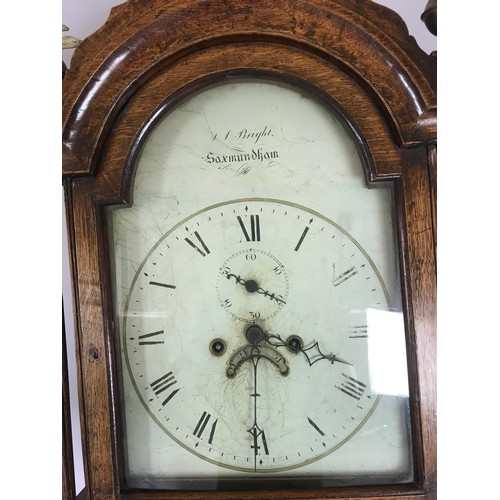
x=150 y=55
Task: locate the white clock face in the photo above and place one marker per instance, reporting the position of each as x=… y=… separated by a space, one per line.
x=269 y=289
x=245 y=284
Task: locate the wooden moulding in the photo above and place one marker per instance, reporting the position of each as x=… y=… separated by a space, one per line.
x=148 y=56
x=152 y=35
x=223 y=63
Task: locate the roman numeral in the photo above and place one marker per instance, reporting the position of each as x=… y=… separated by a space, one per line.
x=345 y=276
x=301 y=239
x=205 y=250
x=143 y=341
x=162 y=384
x=315 y=426
x=164 y=285
x=254 y=234
x=359 y=332
x=264 y=443
x=257 y=433
x=202 y=423
x=351 y=387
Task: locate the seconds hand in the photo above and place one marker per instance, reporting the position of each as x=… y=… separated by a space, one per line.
x=252 y=286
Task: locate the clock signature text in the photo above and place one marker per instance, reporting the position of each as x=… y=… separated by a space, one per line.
x=247 y=148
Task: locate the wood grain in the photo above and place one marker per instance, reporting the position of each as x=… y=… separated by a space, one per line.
x=154 y=34
x=93 y=350
x=68 y=476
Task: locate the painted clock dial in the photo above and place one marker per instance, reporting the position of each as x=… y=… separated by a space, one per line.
x=253 y=270
x=251 y=375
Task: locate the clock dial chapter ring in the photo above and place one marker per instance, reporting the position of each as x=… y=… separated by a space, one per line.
x=262 y=342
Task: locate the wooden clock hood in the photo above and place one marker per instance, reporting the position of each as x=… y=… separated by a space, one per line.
x=365 y=39
x=149 y=51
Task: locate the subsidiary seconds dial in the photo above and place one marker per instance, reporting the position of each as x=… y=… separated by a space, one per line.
x=253 y=285
x=246 y=336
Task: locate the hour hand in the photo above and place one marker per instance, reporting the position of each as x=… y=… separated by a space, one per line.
x=313 y=353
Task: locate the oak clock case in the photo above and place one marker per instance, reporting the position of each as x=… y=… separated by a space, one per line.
x=257 y=298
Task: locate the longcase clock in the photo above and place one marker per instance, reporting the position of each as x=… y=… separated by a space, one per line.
x=250 y=193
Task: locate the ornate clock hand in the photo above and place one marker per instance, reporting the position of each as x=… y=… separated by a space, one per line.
x=252 y=286
x=266 y=293
x=255 y=430
x=319 y=356
x=295 y=344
